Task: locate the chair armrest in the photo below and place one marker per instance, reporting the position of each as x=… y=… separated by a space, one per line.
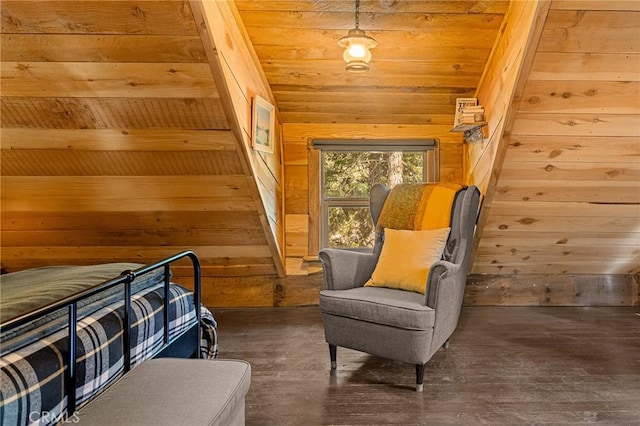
x=440 y=272
x=345 y=269
x=447 y=283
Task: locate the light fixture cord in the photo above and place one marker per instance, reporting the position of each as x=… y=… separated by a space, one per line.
x=357 y=13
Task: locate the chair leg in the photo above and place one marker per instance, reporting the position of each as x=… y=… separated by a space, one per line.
x=333 y=356
x=446 y=344
x=419 y=377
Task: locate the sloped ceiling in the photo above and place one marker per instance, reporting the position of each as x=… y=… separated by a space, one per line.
x=429 y=53
x=115 y=142
x=567 y=202
x=77 y=100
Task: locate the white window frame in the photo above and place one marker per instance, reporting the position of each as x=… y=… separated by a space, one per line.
x=429 y=148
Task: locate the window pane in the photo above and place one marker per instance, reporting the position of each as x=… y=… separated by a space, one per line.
x=350 y=227
x=351 y=174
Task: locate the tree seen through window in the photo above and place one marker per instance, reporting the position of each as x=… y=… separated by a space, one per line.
x=347 y=179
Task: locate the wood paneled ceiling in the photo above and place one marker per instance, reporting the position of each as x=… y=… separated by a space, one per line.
x=115 y=143
x=428 y=54
x=121 y=94
x=585 y=216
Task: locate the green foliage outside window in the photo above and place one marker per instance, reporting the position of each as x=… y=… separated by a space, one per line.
x=350 y=175
x=350 y=227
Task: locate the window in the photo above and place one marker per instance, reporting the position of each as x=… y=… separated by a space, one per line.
x=347 y=172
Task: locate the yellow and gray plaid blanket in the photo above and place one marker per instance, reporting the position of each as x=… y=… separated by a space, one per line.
x=418 y=206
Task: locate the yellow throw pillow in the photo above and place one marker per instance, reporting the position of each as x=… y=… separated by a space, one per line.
x=406 y=258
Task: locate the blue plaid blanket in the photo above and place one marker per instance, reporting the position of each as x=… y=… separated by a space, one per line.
x=32 y=389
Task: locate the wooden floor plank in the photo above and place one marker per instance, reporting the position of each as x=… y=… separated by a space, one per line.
x=505 y=365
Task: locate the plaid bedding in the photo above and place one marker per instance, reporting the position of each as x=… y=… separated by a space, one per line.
x=32 y=377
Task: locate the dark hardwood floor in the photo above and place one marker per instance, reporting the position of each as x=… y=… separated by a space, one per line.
x=505 y=365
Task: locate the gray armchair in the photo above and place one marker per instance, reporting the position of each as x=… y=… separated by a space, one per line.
x=396 y=324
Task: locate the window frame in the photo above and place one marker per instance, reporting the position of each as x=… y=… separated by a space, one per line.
x=430 y=172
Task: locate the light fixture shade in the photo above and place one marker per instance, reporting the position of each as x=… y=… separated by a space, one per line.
x=356 y=54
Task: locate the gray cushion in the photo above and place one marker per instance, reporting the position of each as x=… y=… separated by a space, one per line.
x=396 y=308
x=174 y=392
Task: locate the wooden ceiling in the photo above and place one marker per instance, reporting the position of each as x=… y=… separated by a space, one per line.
x=431 y=52
x=428 y=54
x=567 y=200
x=116 y=145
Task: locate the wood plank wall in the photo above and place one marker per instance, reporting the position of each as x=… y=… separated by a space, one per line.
x=561 y=222
x=243 y=79
x=116 y=146
x=238 y=70
x=495 y=93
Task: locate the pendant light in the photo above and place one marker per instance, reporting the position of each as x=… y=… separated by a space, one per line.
x=356 y=47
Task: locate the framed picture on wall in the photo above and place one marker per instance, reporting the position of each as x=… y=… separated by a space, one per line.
x=262 y=125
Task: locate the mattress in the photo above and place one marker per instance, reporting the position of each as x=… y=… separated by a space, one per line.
x=32 y=356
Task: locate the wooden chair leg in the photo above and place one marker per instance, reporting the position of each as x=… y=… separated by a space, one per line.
x=419 y=377
x=333 y=356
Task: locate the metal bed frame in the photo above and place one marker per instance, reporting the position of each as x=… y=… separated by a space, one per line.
x=125 y=279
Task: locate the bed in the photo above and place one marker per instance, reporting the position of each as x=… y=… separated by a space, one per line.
x=121 y=318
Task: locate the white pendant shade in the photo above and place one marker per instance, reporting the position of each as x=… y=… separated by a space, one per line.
x=357 y=47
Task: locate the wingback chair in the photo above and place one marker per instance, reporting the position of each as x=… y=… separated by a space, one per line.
x=396 y=323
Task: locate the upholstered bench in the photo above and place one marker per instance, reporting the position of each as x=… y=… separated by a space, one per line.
x=171 y=391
